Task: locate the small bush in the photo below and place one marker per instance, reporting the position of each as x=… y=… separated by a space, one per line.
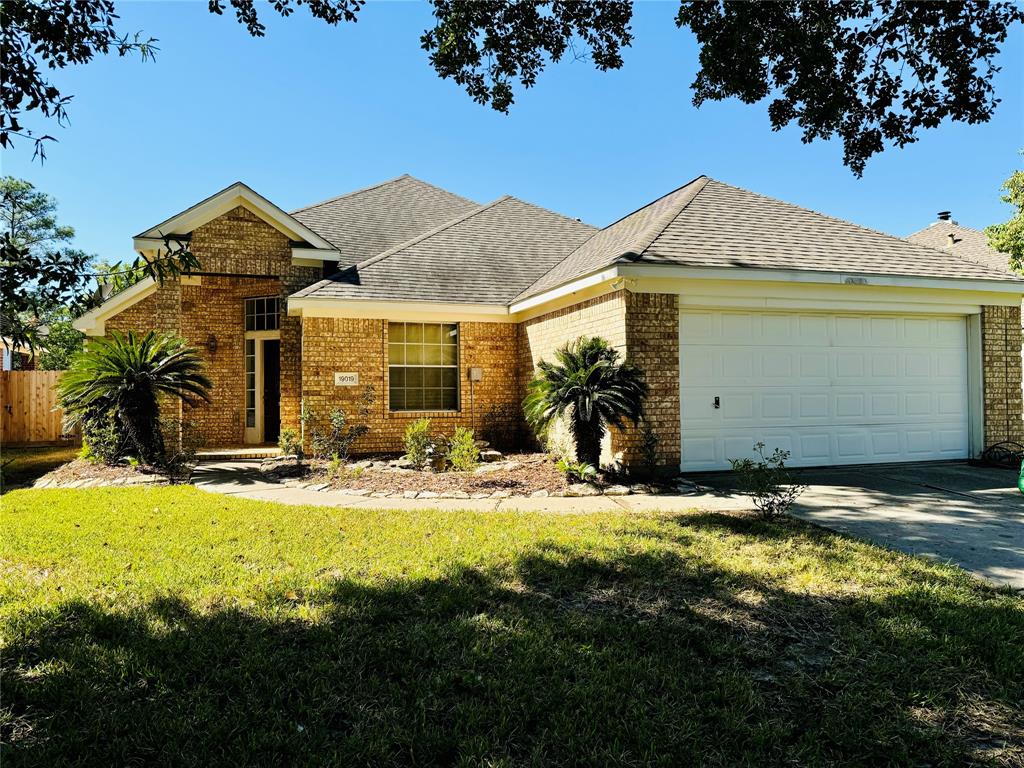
x=769 y=484
x=288 y=442
x=334 y=465
x=418 y=443
x=577 y=471
x=102 y=441
x=463 y=455
x=649 y=441
x=338 y=435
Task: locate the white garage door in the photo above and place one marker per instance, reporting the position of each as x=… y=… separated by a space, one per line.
x=829 y=388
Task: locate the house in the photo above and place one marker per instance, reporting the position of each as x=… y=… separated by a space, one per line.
x=964 y=242
x=753 y=319
x=17 y=357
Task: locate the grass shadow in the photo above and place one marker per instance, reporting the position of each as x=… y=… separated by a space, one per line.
x=554 y=658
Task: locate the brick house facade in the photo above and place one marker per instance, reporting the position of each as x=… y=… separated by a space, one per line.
x=341 y=324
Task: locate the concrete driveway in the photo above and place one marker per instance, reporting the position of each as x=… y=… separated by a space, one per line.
x=972 y=516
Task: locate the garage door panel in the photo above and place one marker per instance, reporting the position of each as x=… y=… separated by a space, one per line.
x=846 y=388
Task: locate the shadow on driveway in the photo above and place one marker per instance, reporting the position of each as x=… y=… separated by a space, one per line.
x=949 y=511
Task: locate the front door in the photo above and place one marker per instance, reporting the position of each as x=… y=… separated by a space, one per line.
x=262 y=387
x=271 y=390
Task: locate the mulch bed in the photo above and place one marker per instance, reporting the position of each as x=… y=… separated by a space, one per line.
x=519 y=474
x=86 y=472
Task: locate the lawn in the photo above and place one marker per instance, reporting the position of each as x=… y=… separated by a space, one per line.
x=164 y=626
x=23 y=465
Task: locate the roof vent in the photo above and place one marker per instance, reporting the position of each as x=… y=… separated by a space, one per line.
x=945 y=215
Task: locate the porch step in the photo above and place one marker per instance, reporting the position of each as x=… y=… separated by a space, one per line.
x=240 y=452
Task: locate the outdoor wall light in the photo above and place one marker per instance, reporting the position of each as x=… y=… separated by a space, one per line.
x=211 y=344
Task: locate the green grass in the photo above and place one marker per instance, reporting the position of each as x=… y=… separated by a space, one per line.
x=21 y=466
x=166 y=626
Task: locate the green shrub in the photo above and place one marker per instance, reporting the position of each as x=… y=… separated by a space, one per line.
x=288 y=442
x=102 y=442
x=463 y=455
x=577 y=471
x=117 y=382
x=335 y=438
x=771 y=486
x=589 y=386
x=649 y=448
x=418 y=443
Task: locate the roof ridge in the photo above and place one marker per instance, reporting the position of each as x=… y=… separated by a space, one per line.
x=429 y=233
x=978 y=262
x=672 y=214
x=352 y=193
x=902 y=240
x=553 y=212
x=379 y=184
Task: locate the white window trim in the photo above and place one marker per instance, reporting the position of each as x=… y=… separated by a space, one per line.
x=457 y=366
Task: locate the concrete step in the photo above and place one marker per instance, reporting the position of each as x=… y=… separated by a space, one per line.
x=208 y=455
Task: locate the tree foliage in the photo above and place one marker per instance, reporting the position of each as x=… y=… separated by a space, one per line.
x=590 y=386
x=869 y=72
x=872 y=73
x=486 y=46
x=52 y=34
x=117 y=382
x=63 y=341
x=40 y=272
x=1008 y=237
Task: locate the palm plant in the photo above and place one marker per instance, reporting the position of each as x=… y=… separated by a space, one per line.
x=592 y=387
x=118 y=381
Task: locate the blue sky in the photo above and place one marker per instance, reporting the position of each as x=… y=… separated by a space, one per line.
x=311 y=111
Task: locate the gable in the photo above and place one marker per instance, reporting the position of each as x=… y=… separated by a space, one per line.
x=307 y=243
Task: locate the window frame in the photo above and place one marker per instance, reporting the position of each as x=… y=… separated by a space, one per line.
x=265 y=315
x=405 y=366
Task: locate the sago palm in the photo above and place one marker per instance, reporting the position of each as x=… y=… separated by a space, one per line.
x=590 y=386
x=123 y=377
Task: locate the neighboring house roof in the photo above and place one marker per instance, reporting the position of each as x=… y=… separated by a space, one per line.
x=963 y=242
x=486 y=256
x=707 y=223
x=369 y=221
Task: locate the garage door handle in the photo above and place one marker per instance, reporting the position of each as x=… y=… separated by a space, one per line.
x=718 y=402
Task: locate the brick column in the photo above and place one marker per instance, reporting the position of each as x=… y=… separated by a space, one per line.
x=1001 y=374
x=652 y=343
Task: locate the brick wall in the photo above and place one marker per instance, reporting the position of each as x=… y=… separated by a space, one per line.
x=359 y=345
x=216 y=308
x=652 y=341
x=238 y=242
x=603 y=316
x=1001 y=373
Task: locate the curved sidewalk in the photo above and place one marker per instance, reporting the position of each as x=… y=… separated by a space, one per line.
x=242 y=478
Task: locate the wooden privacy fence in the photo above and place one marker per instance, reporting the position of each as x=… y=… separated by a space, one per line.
x=27 y=402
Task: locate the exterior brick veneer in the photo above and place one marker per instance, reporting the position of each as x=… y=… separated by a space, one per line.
x=1001 y=374
x=341 y=344
x=236 y=243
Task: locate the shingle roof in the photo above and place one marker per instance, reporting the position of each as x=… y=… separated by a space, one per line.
x=486 y=256
x=969 y=244
x=707 y=223
x=369 y=221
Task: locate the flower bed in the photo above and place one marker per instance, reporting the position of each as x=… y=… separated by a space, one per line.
x=529 y=474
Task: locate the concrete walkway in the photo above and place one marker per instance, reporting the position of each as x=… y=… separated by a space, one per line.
x=241 y=478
